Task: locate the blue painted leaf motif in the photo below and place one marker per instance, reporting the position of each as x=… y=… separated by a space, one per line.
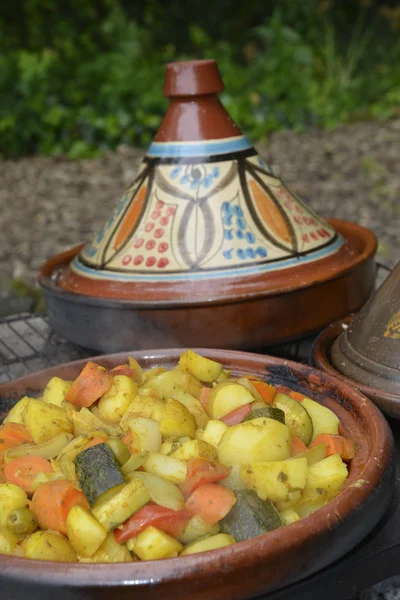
x=261 y=252
x=250 y=253
x=228 y=235
x=227 y=209
x=240 y=253
x=227 y=254
x=227 y=220
x=250 y=237
x=239 y=234
x=90 y=251
x=100 y=235
x=175 y=172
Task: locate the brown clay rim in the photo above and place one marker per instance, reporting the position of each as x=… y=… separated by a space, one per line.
x=359 y=247
x=321 y=358
x=378 y=444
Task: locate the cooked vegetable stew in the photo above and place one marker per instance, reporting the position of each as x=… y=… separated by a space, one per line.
x=126 y=465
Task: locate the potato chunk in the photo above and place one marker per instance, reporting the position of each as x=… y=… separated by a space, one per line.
x=16 y=414
x=48 y=545
x=146 y=435
x=169 y=468
x=8 y=541
x=177 y=420
x=44 y=421
x=256 y=440
x=200 y=367
x=55 y=391
x=85 y=534
x=11 y=497
x=274 y=480
x=153 y=544
x=226 y=397
x=114 y=403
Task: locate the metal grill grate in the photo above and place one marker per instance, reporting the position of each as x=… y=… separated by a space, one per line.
x=28 y=344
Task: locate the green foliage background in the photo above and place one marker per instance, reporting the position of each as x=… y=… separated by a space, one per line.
x=81 y=76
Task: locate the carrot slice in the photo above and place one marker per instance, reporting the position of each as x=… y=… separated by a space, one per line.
x=298 y=446
x=204 y=396
x=13 y=434
x=266 y=391
x=52 y=502
x=297 y=396
x=89 y=386
x=22 y=471
x=336 y=444
x=122 y=370
x=211 y=501
x=236 y=416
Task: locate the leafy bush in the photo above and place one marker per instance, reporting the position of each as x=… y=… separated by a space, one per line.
x=92 y=79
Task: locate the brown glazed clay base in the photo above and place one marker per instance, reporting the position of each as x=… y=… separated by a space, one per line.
x=246 y=569
x=321 y=358
x=245 y=315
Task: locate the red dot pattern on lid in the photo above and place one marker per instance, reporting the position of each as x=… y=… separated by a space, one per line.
x=163 y=214
x=150 y=244
x=162 y=247
x=162 y=262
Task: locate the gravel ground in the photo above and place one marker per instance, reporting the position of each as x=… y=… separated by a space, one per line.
x=51 y=204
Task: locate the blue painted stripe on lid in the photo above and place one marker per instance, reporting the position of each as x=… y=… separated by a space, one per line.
x=206 y=148
x=233 y=272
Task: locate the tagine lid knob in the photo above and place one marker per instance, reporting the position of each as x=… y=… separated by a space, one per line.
x=192 y=78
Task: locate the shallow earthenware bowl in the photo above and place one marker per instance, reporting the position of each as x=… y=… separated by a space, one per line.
x=321 y=358
x=241 y=314
x=249 y=568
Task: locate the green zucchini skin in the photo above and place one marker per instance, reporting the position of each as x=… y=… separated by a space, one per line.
x=296 y=416
x=97 y=471
x=250 y=516
x=270 y=412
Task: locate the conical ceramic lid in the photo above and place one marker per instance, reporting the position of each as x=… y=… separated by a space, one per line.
x=204 y=210
x=369 y=350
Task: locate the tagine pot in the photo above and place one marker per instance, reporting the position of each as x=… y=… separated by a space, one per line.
x=207 y=246
x=368 y=350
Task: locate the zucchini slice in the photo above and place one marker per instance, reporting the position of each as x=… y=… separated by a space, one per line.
x=271 y=412
x=97 y=470
x=250 y=516
x=296 y=416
